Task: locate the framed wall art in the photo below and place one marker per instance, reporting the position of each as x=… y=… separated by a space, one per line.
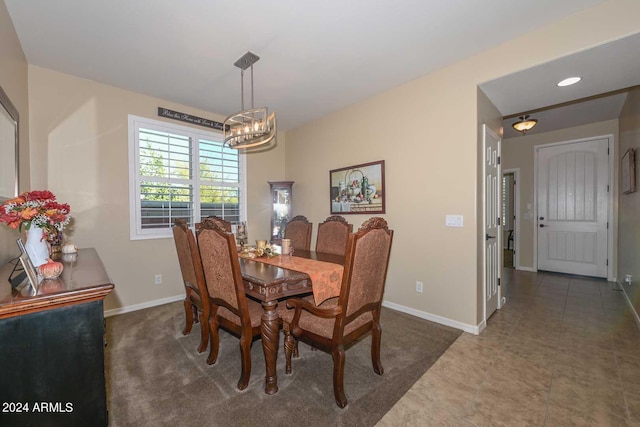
x=8 y=148
x=358 y=189
x=628 y=172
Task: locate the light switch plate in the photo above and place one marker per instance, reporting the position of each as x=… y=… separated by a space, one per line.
x=454 y=221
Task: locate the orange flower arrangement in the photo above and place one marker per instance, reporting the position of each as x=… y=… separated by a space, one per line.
x=36 y=209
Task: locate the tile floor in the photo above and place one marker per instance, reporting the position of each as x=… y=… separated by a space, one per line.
x=563 y=351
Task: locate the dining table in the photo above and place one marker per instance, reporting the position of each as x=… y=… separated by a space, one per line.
x=271 y=281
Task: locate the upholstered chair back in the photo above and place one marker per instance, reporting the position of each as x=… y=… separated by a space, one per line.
x=368 y=265
x=333 y=234
x=225 y=225
x=216 y=250
x=299 y=231
x=196 y=302
x=180 y=236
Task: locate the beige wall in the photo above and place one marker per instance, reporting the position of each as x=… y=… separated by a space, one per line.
x=518 y=153
x=427 y=133
x=629 y=213
x=79 y=134
x=13 y=80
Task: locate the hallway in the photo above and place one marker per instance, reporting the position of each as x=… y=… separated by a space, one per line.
x=563 y=351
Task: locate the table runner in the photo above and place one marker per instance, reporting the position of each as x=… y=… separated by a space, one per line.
x=326 y=277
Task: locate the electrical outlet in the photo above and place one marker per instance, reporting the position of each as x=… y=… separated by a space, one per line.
x=158 y=279
x=419 y=287
x=627 y=279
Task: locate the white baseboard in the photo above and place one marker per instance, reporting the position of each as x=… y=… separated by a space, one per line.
x=472 y=329
x=481 y=327
x=631 y=306
x=136 y=307
x=521 y=268
x=412 y=311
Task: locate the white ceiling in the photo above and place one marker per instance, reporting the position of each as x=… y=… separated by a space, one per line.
x=315 y=57
x=604 y=69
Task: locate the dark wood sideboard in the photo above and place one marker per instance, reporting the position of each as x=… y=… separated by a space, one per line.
x=52 y=347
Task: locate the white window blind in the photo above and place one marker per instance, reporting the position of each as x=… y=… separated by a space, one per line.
x=507 y=215
x=219 y=181
x=180 y=172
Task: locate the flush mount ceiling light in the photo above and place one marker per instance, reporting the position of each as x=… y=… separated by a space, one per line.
x=569 y=81
x=524 y=124
x=252 y=127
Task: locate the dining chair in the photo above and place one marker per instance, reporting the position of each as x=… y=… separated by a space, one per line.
x=196 y=302
x=299 y=231
x=338 y=322
x=217 y=265
x=225 y=225
x=332 y=235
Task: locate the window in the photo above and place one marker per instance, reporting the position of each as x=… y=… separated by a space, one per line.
x=507 y=201
x=180 y=172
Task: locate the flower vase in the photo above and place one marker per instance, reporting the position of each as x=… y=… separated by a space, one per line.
x=37 y=246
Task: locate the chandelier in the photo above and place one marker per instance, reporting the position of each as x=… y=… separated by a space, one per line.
x=524 y=124
x=251 y=127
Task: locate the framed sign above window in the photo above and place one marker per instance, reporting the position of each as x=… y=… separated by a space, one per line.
x=628 y=172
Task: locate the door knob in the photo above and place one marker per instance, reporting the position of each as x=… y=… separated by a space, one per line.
x=541 y=226
x=541 y=218
x=487 y=237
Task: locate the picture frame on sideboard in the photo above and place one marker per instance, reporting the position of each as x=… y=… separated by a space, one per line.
x=27 y=266
x=31 y=272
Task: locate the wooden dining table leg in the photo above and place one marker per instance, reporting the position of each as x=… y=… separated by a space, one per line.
x=270 y=331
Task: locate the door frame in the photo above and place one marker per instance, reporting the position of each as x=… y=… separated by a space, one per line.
x=612 y=201
x=516 y=214
x=487 y=130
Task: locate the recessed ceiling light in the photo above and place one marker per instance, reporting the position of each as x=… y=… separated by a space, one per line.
x=569 y=81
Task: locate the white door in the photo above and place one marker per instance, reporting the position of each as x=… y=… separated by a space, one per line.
x=492 y=229
x=572 y=185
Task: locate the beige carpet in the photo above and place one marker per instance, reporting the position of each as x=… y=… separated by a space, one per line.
x=155 y=376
